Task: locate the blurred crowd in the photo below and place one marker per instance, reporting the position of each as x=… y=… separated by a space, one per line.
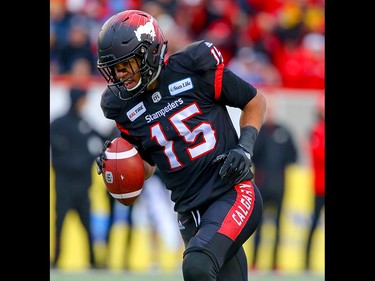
x=266 y=42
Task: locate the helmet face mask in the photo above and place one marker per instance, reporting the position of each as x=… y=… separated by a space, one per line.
x=126 y=35
x=116 y=85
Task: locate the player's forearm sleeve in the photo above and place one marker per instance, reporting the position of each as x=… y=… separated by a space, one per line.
x=248 y=136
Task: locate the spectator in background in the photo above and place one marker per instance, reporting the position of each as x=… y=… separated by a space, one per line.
x=274 y=151
x=74 y=146
x=78 y=46
x=302 y=65
x=80 y=74
x=59 y=20
x=255 y=67
x=54 y=65
x=317 y=152
x=178 y=36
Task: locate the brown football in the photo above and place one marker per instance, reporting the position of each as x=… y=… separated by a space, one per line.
x=123 y=171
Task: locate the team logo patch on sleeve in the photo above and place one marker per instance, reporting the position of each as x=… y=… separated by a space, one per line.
x=180 y=86
x=136 y=111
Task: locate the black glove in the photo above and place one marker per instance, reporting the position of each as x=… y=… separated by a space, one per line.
x=237 y=161
x=236 y=166
x=101 y=157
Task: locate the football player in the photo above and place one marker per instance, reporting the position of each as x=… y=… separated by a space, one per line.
x=174 y=112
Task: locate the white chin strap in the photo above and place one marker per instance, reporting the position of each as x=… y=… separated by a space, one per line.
x=139 y=83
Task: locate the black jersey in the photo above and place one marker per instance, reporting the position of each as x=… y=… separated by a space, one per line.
x=183 y=124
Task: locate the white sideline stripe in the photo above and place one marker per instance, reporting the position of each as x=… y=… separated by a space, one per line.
x=121 y=155
x=126 y=195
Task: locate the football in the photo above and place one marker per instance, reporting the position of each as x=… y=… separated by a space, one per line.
x=123 y=171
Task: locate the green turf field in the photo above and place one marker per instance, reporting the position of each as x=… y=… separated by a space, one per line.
x=105 y=275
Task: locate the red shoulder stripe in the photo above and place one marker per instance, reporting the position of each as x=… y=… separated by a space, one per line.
x=218 y=80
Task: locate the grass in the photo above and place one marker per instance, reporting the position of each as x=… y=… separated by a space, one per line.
x=106 y=275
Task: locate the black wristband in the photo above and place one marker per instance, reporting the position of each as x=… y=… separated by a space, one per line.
x=248 y=136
